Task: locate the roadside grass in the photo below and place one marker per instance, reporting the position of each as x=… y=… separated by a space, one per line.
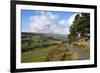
x=82 y=47
x=71 y=56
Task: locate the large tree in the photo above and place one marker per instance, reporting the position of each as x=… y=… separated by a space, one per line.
x=81 y=25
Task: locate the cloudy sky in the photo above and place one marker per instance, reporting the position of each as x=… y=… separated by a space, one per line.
x=46 y=21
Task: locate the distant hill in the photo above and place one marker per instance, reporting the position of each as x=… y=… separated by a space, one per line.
x=54 y=36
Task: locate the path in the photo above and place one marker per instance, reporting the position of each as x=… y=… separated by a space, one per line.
x=82 y=55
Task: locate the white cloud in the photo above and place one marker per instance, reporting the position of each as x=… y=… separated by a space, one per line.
x=47 y=22
x=40 y=23
x=71 y=19
x=62 y=22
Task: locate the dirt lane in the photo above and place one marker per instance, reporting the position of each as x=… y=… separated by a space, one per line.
x=82 y=55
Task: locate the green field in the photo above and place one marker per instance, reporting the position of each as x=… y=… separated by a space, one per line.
x=44 y=48
x=37 y=55
x=36 y=48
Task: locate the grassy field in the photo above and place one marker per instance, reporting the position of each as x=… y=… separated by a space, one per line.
x=37 y=55
x=51 y=53
x=37 y=48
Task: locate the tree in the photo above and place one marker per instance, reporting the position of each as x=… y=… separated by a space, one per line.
x=81 y=25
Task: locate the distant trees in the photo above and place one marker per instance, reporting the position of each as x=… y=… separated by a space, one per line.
x=80 y=26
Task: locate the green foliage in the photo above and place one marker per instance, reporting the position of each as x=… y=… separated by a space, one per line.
x=81 y=25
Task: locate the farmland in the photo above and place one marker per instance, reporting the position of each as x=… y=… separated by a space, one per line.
x=35 y=46
x=38 y=47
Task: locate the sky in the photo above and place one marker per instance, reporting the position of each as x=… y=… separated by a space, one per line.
x=46 y=21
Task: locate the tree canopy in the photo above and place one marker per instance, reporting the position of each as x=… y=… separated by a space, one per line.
x=80 y=25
